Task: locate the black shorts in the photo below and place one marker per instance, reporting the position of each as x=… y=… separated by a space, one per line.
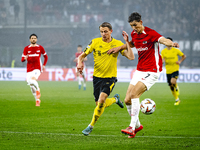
x=172 y=75
x=105 y=85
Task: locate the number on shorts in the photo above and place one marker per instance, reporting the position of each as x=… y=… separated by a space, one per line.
x=147 y=75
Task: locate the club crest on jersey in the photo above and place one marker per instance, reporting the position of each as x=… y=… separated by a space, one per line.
x=144 y=42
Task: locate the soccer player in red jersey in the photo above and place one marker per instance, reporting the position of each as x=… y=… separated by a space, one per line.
x=32 y=54
x=78 y=53
x=146 y=41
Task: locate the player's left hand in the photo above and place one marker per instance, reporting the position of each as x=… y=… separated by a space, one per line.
x=178 y=62
x=43 y=68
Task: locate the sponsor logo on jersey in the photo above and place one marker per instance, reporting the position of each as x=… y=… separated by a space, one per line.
x=33 y=55
x=142 y=49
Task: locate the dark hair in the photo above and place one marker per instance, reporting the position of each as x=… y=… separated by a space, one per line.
x=106 y=24
x=79 y=45
x=169 y=38
x=134 y=17
x=33 y=35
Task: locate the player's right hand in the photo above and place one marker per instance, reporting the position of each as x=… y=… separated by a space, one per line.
x=125 y=35
x=113 y=50
x=80 y=68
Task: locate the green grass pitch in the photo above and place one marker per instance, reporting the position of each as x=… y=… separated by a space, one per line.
x=65 y=111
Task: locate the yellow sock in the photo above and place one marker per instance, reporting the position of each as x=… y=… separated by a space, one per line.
x=176 y=89
x=98 y=111
x=110 y=101
x=174 y=93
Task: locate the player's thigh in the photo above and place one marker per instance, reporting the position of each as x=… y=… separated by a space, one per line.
x=33 y=75
x=138 y=90
x=169 y=77
x=102 y=97
x=96 y=87
x=174 y=77
x=173 y=80
x=108 y=85
x=147 y=78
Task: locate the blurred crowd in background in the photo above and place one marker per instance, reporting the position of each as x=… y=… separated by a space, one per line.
x=61 y=25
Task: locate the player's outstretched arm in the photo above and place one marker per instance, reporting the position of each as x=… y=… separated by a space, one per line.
x=117 y=49
x=168 y=42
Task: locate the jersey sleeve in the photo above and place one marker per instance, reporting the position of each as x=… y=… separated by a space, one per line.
x=179 y=52
x=89 y=48
x=24 y=54
x=44 y=55
x=155 y=36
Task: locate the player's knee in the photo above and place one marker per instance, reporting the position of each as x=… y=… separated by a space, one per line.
x=33 y=78
x=31 y=81
x=173 y=81
x=33 y=89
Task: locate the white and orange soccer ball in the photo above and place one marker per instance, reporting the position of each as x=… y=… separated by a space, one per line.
x=147 y=106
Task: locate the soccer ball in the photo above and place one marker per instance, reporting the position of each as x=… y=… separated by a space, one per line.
x=147 y=106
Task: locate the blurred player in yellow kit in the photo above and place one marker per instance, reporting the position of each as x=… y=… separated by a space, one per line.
x=170 y=57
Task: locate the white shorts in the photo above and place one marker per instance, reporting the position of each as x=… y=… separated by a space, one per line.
x=84 y=72
x=35 y=73
x=148 y=78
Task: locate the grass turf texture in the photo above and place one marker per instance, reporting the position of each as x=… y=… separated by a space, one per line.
x=65 y=111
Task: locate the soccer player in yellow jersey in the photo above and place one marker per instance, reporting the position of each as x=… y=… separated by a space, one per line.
x=105 y=70
x=170 y=57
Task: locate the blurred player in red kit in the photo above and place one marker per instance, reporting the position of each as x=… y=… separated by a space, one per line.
x=32 y=54
x=79 y=52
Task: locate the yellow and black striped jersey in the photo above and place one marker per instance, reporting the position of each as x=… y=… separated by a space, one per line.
x=105 y=65
x=171 y=57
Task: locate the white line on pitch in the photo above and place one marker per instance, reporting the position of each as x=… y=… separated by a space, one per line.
x=169 y=137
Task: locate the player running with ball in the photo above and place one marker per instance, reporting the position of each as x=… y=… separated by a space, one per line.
x=146 y=41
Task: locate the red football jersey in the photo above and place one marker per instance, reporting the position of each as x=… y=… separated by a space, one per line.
x=34 y=54
x=78 y=54
x=146 y=43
